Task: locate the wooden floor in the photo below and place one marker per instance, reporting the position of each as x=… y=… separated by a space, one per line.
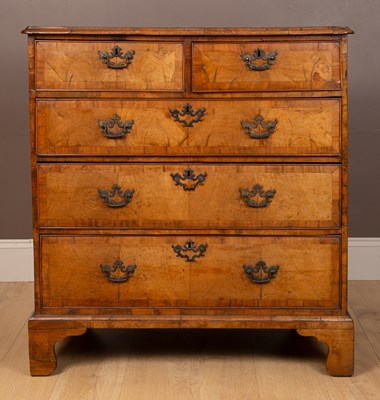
x=192 y=364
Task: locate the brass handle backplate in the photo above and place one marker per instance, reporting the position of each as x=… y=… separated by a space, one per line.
x=250 y=60
x=118 y=272
x=258 y=193
x=261 y=273
x=108 y=197
x=259 y=129
x=107 y=126
x=116 y=52
x=187 y=111
x=188 y=175
x=199 y=251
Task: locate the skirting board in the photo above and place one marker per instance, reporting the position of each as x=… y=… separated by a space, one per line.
x=16 y=259
x=364 y=258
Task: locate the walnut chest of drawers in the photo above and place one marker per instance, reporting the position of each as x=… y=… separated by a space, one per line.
x=189 y=178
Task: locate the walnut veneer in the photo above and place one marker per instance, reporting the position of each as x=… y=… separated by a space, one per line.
x=189 y=178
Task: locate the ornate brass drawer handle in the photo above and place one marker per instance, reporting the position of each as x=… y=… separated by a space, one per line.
x=270 y=272
x=188 y=174
x=259 y=54
x=258 y=192
x=106 y=127
x=116 y=52
x=265 y=129
x=190 y=247
x=187 y=110
x=107 y=197
x=122 y=272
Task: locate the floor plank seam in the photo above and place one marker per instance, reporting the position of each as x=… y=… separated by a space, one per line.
x=364 y=331
x=126 y=369
x=14 y=341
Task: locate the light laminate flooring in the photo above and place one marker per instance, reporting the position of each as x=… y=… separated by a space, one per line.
x=189 y=364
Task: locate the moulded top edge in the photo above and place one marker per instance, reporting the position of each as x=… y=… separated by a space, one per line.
x=192 y=31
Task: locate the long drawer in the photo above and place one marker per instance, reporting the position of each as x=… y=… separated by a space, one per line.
x=199 y=127
x=260 y=66
x=189 y=196
x=211 y=271
x=146 y=66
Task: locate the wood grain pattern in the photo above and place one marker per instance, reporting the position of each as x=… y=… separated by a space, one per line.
x=77 y=66
x=160 y=95
x=305 y=126
x=51 y=326
x=344 y=205
x=340 y=358
x=307 y=196
x=41 y=347
x=306 y=66
x=308 y=274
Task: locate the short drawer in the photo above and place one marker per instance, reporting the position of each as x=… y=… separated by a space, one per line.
x=211 y=271
x=189 y=196
x=70 y=65
x=201 y=127
x=273 y=66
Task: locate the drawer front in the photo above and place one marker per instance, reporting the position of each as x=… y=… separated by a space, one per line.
x=180 y=195
x=146 y=271
x=235 y=127
x=242 y=67
x=72 y=65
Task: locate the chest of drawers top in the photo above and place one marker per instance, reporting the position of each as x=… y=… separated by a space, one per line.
x=187 y=60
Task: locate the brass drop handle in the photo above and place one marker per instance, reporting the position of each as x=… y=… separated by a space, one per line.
x=107 y=127
x=259 y=129
x=116 y=52
x=261 y=273
x=108 y=197
x=187 y=111
x=252 y=197
x=190 y=247
x=259 y=54
x=118 y=272
x=188 y=175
